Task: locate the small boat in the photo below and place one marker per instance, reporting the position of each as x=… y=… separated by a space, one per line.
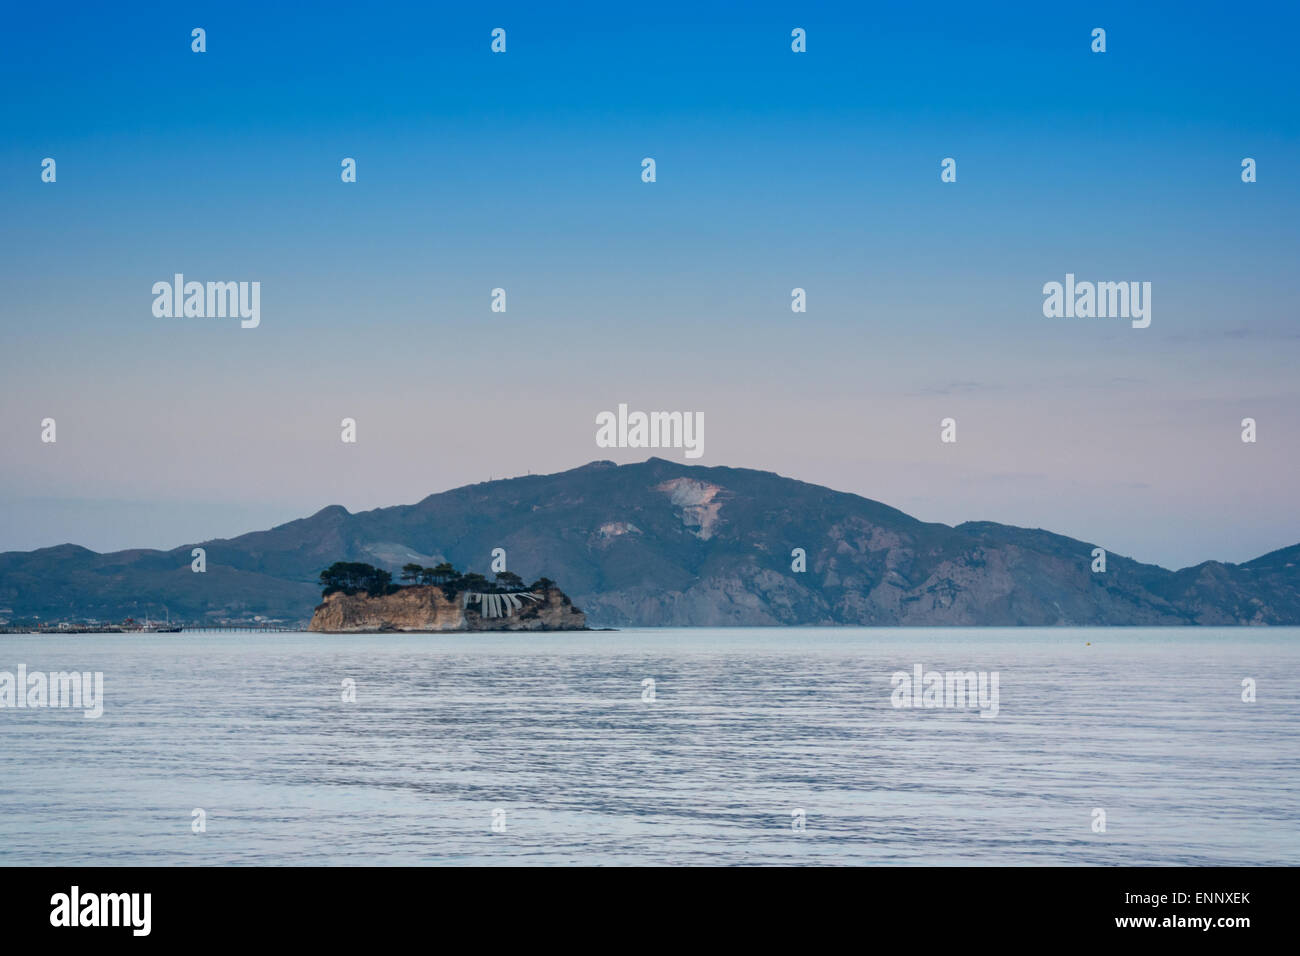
x=151 y=627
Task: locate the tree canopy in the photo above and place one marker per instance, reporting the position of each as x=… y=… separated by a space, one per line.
x=351 y=577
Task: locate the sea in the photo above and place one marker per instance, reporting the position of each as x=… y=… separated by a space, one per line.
x=705 y=746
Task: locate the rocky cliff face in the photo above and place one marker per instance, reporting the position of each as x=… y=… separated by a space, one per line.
x=425 y=609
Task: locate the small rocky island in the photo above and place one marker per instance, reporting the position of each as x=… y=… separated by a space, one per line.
x=361 y=599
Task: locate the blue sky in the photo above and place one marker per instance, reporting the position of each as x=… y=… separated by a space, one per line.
x=775 y=170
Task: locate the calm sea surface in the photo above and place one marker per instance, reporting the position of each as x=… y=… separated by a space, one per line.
x=549 y=735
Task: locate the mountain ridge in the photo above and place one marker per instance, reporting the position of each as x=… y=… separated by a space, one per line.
x=667 y=543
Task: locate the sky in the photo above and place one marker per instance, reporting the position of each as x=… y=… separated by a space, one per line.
x=774 y=170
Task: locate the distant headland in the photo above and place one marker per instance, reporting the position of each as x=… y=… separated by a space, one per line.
x=359 y=598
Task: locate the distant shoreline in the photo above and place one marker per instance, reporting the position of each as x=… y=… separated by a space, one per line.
x=826 y=628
